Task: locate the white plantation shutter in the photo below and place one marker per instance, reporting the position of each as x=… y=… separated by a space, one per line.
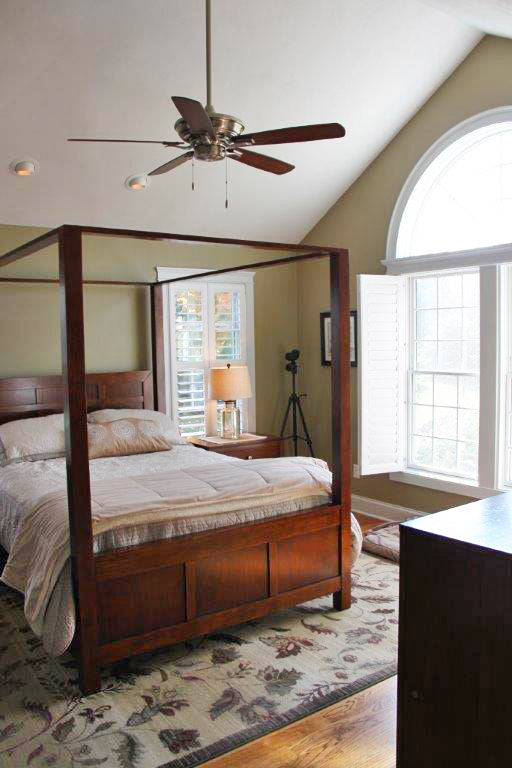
x=382 y=373
x=227 y=318
x=188 y=323
x=228 y=333
x=208 y=327
x=191 y=400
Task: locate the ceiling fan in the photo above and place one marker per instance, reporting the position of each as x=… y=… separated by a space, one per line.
x=210 y=136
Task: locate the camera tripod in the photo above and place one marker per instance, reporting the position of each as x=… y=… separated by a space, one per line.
x=295 y=407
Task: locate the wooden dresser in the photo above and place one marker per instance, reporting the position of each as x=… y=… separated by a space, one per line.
x=455 y=648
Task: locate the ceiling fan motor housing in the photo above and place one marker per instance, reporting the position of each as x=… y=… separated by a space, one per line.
x=226 y=128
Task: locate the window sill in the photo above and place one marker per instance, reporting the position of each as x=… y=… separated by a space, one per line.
x=444 y=483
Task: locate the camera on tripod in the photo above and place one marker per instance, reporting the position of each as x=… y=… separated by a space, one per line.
x=292 y=356
x=295 y=408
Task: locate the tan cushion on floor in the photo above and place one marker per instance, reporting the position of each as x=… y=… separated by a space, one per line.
x=123 y=437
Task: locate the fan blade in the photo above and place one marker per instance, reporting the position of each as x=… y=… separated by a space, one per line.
x=263 y=162
x=135 y=141
x=288 y=135
x=195 y=115
x=171 y=164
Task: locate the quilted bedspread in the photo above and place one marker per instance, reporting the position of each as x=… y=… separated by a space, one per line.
x=186 y=499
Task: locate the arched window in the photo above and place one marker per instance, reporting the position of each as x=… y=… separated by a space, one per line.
x=456 y=206
x=435 y=362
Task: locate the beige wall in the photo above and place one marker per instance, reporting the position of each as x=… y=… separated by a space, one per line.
x=117 y=318
x=359 y=221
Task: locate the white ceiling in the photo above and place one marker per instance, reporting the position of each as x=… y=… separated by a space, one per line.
x=492 y=16
x=107 y=68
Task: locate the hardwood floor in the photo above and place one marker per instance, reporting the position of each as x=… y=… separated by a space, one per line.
x=358 y=732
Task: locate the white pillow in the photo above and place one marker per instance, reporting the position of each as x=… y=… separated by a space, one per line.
x=168 y=427
x=32 y=439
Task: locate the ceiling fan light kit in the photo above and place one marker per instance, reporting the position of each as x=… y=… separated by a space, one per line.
x=24 y=167
x=210 y=136
x=138 y=182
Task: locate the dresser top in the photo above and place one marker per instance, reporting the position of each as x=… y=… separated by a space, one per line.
x=486 y=524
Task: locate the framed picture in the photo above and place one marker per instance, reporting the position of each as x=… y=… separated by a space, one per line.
x=326 y=338
x=353 y=338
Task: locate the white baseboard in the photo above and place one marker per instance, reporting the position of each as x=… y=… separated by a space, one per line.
x=382 y=510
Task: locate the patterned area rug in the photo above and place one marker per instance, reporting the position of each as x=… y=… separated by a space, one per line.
x=182 y=706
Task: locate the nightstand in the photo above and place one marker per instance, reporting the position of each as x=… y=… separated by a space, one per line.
x=271 y=447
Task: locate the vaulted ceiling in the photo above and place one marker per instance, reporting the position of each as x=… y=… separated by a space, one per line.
x=107 y=68
x=492 y=16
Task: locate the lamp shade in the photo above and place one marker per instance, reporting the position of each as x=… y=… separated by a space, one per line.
x=230 y=383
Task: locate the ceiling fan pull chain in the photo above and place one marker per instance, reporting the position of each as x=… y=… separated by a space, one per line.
x=193 y=185
x=226 y=167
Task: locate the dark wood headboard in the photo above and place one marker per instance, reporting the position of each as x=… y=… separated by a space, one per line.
x=22 y=398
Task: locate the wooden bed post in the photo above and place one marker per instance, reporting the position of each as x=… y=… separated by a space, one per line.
x=77 y=454
x=157 y=346
x=340 y=392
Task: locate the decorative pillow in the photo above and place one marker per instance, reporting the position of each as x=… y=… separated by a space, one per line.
x=168 y=428
x=123 y=437
x=32 y=439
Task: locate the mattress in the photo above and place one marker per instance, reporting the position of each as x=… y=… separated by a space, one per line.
x=136 y=499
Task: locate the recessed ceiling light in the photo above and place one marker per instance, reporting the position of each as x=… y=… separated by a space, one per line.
x=23 y=167
x=137 y=182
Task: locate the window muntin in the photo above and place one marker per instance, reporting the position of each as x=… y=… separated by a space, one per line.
x=444 y=374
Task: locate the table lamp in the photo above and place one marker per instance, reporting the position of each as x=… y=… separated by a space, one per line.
x=230 y=384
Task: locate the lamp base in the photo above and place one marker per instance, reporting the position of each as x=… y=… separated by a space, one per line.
x=230 y=421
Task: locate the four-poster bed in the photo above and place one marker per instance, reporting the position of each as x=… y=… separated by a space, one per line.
x=145 y=596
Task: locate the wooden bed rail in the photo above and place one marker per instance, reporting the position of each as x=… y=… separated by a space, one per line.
x=86 y=568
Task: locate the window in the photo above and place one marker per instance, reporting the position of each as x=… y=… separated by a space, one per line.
x=464 y=198
x=457 y=202
x=436 y=394
x=419 y=379
x=206 y=324
x=444 y=391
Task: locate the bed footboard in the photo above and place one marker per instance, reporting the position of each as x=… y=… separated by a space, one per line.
x=164 y=592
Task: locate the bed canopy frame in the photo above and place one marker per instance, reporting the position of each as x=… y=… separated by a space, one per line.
x=218 y=577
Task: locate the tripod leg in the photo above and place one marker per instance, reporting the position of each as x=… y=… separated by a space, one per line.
x=285 y=418
x=306 y=433
x=294 y=422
